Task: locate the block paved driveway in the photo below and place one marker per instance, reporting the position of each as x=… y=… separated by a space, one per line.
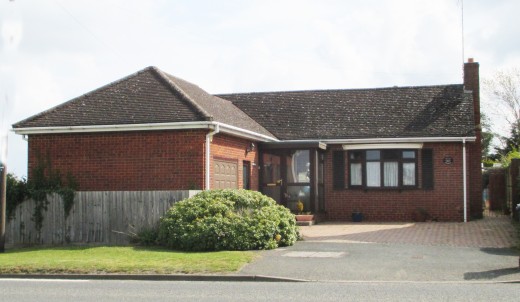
x=491 y=232
x=433 y=251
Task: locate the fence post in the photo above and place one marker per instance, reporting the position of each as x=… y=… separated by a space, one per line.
x=3 y=189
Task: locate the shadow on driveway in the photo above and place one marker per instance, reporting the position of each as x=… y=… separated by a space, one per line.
x=492 y=274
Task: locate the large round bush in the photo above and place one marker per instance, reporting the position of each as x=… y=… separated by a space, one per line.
x=227 y=220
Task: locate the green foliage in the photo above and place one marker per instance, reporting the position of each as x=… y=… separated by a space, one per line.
x=146 y=237
x=488 y=162
x=512 y=143
x=67 y=195
x=505 y=160
x=16 y=192
x=227 y=220
x=45 y=181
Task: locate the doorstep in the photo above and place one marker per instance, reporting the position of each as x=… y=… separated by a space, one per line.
x=306 y=223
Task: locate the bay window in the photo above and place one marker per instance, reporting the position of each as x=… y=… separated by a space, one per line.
x=386 y=168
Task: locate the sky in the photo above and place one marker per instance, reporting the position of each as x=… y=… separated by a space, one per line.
x=54 y=50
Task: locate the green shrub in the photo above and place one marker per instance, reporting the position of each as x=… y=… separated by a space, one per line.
x=227 y=220
x=145 y=237
x=16 y=193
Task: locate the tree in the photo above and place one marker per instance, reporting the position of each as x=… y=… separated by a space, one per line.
x=503 y=90
x=511 y=142
x=486 y=135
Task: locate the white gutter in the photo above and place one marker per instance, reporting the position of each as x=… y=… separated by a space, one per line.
x=209 y=138
x=464 y=176
x=399 y=140
x=112 y=128
x=383 y=146
x=232 y=130
x=225 y=128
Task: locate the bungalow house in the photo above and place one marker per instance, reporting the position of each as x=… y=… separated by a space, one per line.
x=385 y=152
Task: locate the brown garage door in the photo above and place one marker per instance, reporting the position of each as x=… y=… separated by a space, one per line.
x=225 y=174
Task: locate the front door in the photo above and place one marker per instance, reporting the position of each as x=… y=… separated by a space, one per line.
x=271 y=176
x=286 y=177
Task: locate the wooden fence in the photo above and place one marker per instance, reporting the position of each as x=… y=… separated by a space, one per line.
x=504 y=188
x=96 y=217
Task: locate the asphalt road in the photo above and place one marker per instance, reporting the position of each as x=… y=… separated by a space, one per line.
x=329 y=261
x=109 y=290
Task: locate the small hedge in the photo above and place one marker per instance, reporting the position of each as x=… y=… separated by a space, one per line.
x=227 y=220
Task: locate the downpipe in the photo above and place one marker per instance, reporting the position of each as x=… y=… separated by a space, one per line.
x=209 y=139
x=464 y=179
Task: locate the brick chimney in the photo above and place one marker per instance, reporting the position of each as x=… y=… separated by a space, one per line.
x=471 y=82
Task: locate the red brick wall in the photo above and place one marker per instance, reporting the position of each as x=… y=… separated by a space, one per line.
x=234 y=149
x=148 y=160
x=444 y=202
x=475 y=180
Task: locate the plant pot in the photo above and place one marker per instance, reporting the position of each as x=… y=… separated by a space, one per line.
x=304 y=217
x=357 y=217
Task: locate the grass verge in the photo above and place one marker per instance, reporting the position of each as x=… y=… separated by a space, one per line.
x=119 y=260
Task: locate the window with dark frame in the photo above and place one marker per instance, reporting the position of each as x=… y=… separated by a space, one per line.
x=385 y=168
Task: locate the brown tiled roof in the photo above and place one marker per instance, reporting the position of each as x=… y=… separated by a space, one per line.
x=152 y=96
x=147 y=96
x=220 y=110
x=426 y=111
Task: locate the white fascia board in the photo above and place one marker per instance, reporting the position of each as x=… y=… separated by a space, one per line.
x=240 y=132
x=383 y=146
x=232 y=130
x=113 y=128
x=401 y=140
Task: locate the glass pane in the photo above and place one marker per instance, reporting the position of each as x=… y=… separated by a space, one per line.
x=373 y=174
x=271 y=168
x=409 y=174
x=298 y=193
x=355 y=174
x=408 y=154
x=298 y=167
x=391 y=154
x=356 y=155
x=391 y=177
x=273 y=192
x=373 y=155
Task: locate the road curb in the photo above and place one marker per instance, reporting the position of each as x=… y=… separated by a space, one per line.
x=214 y=278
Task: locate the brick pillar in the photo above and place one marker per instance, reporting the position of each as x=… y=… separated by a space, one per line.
x=497 y=189
x=514 y=172
x=471 y=83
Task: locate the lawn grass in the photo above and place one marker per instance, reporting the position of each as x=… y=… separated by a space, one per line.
x=119 y=260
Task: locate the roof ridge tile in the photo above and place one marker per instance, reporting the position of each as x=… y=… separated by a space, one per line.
x=186 y=96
